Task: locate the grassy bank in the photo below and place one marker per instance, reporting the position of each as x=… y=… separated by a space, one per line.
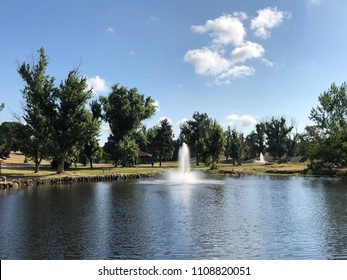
x=15 y=168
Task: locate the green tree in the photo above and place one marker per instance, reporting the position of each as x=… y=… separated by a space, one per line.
x=193 y=132
x=124 y=110
x=232 y=142
x=70 y=119
x=330 y=130
x=215 y=141
x=38 y=94
x=141 y=139
x=228 y=143
x=90 y=148
x=277 y=132
x=161 y=141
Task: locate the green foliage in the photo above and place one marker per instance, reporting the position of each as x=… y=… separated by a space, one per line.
x=124 y=110
x=194 y=132
x=161 y=141
x=277 y=133
x=123 y=151
x=328 y=145
x=38 y=96
x=89 y=147
x=8 y=138
x=215 y=141
x=57 y=121
x=214 y=166
x=70 y=119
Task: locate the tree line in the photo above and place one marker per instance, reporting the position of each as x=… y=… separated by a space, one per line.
x=60 y=122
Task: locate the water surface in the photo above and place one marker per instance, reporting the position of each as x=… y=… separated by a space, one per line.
x=230 y=218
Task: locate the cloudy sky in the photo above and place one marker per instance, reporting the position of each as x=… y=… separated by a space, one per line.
x=240 y=62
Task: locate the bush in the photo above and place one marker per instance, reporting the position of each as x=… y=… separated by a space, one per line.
x=214 y=166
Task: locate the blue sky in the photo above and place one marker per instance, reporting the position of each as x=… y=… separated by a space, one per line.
x=240 y=62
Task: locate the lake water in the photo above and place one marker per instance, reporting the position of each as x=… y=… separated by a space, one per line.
x=250 y=217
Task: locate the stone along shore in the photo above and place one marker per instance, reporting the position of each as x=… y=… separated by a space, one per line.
x=30 y=182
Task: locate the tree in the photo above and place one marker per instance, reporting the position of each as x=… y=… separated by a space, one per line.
x=124 y=110
x=242 y=148
x=38 y=107
x=193 y=132
x=161 y=141
x=90 y=148
x=215 y=141
x=70 y=119
x=5 y=149
x=330 y=129
x=277 y=132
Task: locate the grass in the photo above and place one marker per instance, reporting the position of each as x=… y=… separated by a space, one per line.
x=265 y=169
x=14 y=168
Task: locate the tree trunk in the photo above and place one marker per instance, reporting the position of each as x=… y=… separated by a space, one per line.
x=37 y=164
x=91 y=163
x=60 y=169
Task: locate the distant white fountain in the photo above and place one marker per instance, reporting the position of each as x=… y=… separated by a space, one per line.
x=261 y=159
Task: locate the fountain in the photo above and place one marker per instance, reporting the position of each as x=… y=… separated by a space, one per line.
x=261 y=159
x=183 y=175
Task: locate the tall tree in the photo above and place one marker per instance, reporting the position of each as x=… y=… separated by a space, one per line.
x=70 y=118
x=161 y=140
x=124 y=110
x=38 y=94
x=228 y=143
x=90 y=148
x=277 y=133
x=194 y=132
x=215 y=141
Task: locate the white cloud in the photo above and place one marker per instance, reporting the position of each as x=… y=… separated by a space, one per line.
x=235 y=72
x=153 y=19
x=313 y=2
x=268 y=63
x=223 y=30
x=206 y=61
x=267 y=19
x=228 y=35
x=247 y=51
x=110 y=29
x=240 y=15
x=97 y=85
x=244 y=120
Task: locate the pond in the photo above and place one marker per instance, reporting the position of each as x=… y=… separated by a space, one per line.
x=250 y=217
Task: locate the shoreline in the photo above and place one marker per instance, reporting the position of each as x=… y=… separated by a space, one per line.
x=223 y=170
x=68 y=179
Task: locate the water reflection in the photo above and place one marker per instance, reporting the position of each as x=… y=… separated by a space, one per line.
x=241 y=218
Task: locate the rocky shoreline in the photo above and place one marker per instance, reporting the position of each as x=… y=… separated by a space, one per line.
x=30 y=182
